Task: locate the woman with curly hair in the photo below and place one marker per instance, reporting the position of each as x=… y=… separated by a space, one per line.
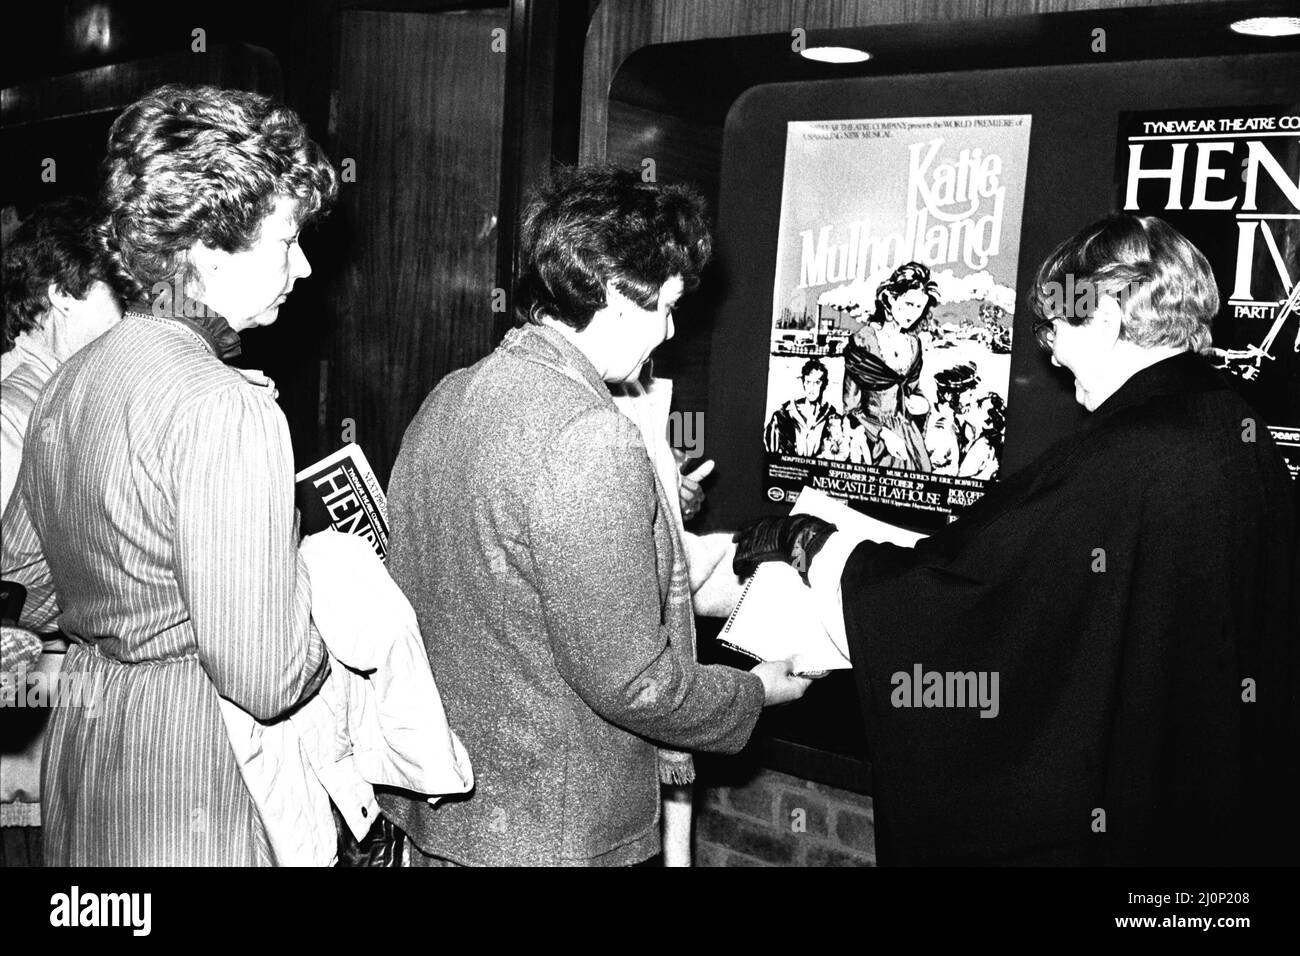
x=882 y=371
x=159 y=518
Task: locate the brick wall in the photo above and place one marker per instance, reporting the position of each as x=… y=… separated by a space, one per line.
x=774 y=819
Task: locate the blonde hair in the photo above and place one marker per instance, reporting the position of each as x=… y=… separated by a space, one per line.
x=1163 y=283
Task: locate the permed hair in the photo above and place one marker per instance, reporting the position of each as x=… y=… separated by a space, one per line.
x=590 y=225
x=908 y=276
x=1163 y=282
x=201 y=164
x=55 y=245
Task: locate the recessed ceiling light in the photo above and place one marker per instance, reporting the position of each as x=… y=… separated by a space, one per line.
x=1268 y=26
x=835 y=54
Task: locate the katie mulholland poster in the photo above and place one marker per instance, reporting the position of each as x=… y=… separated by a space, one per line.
x=892 y=310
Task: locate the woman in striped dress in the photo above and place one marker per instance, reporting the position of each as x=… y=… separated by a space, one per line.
x=156 y=513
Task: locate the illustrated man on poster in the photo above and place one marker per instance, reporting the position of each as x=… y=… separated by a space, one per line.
x=799 y=426
x=948 y=432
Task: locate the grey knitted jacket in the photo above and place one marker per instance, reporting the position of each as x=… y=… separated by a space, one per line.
x=533 y=539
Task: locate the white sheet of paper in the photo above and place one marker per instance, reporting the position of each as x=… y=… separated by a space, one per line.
x=777 y=617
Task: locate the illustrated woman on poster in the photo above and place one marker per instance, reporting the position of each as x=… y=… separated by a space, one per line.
x=883 y=404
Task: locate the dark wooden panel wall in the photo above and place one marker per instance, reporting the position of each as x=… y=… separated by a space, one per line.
x=418 y=109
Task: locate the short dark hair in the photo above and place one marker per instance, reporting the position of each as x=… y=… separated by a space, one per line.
x=201 y=164
x=589 y=225
x=950 y=382
x=55 y=245
x=814 y=365
x=1164 y=284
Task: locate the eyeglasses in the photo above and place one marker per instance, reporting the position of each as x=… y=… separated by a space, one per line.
x=1045 y=332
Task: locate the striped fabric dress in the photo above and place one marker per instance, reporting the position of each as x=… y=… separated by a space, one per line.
x=155 y=502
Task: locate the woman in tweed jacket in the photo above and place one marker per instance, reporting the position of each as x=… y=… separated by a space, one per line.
x=154 y=507
x=535 y=542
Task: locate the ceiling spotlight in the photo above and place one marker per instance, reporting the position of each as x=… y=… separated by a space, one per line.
x=835 y=54
x=91 y=30
x=1268 y=26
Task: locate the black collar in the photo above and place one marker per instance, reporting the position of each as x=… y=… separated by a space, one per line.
x=211 y=326
x=1178 y=374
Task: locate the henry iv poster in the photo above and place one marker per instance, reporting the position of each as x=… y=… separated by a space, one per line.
x=1229 y=180
x=891 y=314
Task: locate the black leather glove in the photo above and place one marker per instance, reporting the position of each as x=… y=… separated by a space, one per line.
x=794 y=539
